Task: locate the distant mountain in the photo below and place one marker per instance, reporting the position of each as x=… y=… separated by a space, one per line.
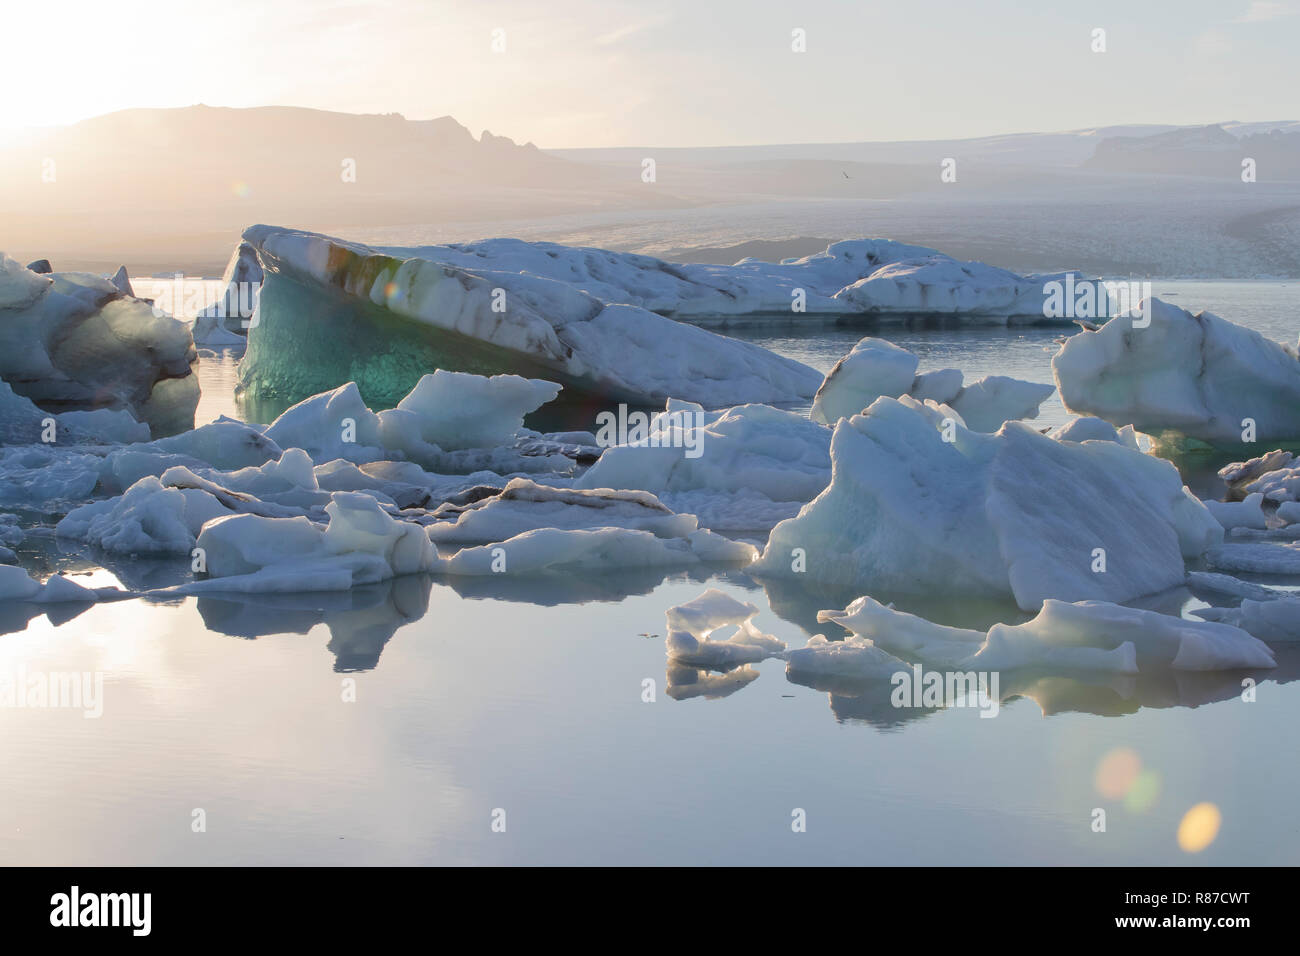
x=1210 y=151
x=113 y=184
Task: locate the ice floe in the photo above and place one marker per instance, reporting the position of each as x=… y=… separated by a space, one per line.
x=876 y=367
x=1014 y=513
x=1271 y=620
x=691 y=627
x=1085 y=635
x=1199 y=376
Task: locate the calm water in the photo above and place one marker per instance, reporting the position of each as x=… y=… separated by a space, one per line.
x=529 y=699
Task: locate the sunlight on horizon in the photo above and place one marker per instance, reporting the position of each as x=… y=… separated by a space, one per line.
x=581 y=73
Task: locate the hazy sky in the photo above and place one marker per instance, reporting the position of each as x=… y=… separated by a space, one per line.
x=666 y=72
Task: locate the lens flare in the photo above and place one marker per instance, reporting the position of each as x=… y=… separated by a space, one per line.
x=1199 y=827
x=1117 y=771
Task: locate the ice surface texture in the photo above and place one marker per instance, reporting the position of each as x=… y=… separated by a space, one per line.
x=1196 y=375
x=876 y=367
x=70 y=340
x=332 y=312
x=1015 y=513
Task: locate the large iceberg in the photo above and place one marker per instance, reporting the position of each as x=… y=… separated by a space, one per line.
x=1198 y=376
x=920 y=504
x=853 y=277
x=331 y=312
x=71 y=340
x=877 y=367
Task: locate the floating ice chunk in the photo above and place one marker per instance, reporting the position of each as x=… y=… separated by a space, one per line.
x=1282 y=484
x=854 y=657
x=75 y=341
x=984 y=405
x=20 y=287
x=60 y=590
x=741 y=469
x=334 y=424
x=1015 y=513
x=1239 y=474
x=1240 y=514
x=1227 y=584
x=553 y=549
x=122 y=282
x=224 y=443
x=1259 y=558
x=938 y=284
x=149 y=518
x=361 y=544
x=35 y=476
x=940 y=386
x=524 y=505
x=22 y=423
x=1096 y=635
x=1085 y=428
x=404 y=311
x=1272 y=620
x=17 y=585
x=456 y=410
x=226 y=321
x=691 y=626
x=1288 y=512
x=1197 y=375
x=907 y=634
x=876 y=367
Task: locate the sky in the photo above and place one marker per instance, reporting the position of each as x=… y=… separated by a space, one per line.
x=575 y=73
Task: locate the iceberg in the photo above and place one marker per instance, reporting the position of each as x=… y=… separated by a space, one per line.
x=73 y=341
x=331 y=312
x=853 y=277
x=1271 y=620
x=743 y=468
x=1193 y=376
x=226 y=321
x=1014 y=513
x=876 y=367
x=360 y=544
